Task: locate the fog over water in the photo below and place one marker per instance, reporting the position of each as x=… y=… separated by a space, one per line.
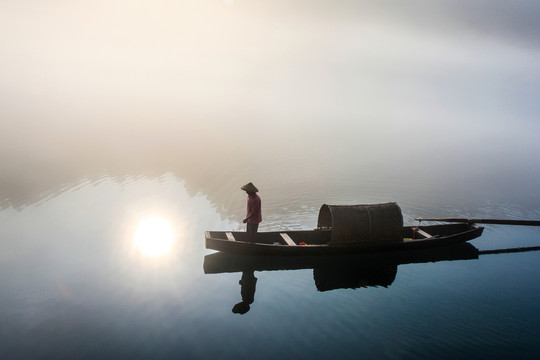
x=428 y=92
x=114 y=111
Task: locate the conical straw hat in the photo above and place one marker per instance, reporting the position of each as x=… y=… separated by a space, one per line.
x=249 y=188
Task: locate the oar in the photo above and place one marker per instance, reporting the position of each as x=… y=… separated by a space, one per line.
x=485 y=221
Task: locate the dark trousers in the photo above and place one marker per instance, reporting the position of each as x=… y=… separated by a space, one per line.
x=252 y=232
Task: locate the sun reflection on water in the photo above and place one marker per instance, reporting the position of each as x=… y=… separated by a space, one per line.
x=154 y=236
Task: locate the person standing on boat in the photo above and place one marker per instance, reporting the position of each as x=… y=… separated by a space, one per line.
x=253 y=214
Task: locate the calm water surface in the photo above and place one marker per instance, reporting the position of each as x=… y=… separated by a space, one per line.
x=90 y=272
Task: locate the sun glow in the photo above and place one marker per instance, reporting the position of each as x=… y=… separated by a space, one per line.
x=154 y=236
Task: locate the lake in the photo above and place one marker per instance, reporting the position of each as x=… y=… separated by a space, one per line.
x=128 y=131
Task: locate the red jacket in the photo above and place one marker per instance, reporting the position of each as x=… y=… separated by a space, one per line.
x=254 y=208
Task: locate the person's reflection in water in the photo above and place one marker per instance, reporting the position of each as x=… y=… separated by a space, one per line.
x=247 y=290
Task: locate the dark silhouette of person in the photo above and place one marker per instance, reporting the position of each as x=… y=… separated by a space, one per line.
x=253 y=213
x=247 y=290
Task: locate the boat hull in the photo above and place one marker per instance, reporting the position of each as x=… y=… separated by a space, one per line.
x=318 y=241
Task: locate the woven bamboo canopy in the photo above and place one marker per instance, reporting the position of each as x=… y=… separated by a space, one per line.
x=361 y=223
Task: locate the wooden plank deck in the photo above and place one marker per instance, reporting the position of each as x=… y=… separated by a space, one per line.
x=287 y=239
x=423 y=233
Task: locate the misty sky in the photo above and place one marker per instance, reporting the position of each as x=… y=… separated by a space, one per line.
x=405 y=78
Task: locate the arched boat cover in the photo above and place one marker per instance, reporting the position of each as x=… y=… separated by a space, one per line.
x=358 y=223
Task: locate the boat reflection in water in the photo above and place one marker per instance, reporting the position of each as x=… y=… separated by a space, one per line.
x=331 y=272
x=349 y=277
x=339 y=272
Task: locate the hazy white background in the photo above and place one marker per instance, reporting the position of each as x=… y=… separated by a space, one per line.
x=431 y=91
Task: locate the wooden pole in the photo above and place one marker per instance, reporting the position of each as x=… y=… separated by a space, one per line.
x=485 y=221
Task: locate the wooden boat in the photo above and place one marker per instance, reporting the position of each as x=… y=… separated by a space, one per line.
x=346 y=229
